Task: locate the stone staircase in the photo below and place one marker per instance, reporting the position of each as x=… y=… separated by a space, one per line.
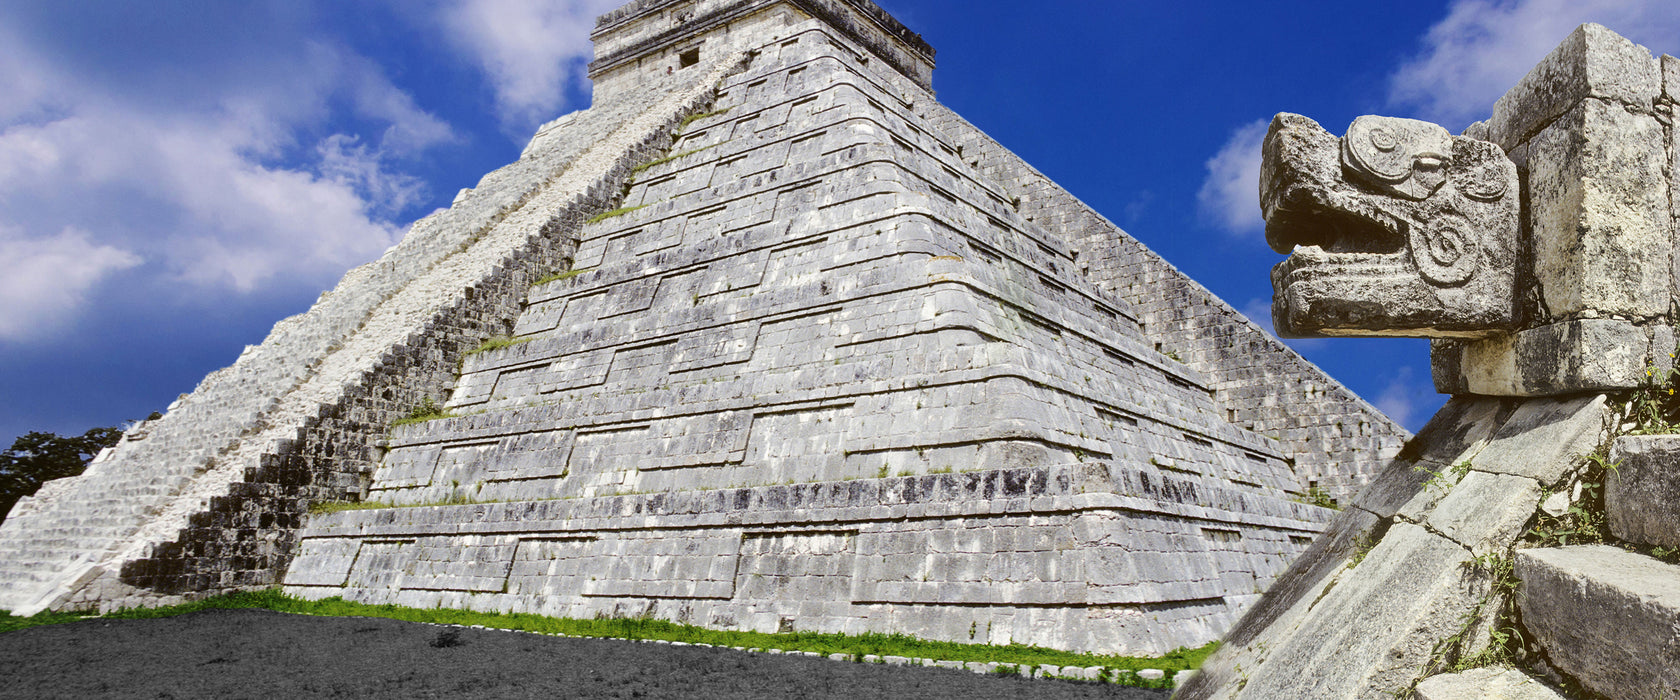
x=192 y=466
x=1605 y=620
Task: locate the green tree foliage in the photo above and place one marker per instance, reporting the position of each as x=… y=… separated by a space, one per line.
x=36 y=458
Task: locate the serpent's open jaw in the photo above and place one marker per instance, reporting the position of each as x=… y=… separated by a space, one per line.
x=1325 y=239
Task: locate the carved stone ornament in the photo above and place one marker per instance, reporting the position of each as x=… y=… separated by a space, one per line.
x=1398 y=228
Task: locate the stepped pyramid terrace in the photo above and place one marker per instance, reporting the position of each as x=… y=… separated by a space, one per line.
x=776 y=342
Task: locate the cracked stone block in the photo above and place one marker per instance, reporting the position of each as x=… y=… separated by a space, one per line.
x=1599 y=213
x=1545 y=438
x=1486 y=512
x=1606 y=617
x=1372 y=630
x=1557 y=358
x=1456 y=434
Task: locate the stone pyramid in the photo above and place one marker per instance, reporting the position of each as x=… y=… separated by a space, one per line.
x=776 y=342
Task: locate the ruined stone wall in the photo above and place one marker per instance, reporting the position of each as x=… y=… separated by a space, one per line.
x=1337 y=439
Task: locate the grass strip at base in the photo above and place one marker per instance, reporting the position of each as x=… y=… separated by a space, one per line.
x=824 y=643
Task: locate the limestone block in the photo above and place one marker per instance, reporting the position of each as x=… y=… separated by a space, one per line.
x=1671 y=95
x=1670 y=76
x=1642 y=495
x=1486 y=684
x=1370 y=633
x=1544 y=438
x=1592 y=62
x=1607 y=617
x=1486 y=512
x=1598 y=209
x=1569 y=357
x=1456 y=434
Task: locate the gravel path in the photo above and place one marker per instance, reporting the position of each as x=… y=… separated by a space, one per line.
x=264 y=654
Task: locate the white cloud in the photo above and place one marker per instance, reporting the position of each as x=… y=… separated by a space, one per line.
x=233 y=186
x=531 y=50
x=43 y=280
x=1230 y=196
x=1483 y=47
x=411 y=129
x=1404 y=396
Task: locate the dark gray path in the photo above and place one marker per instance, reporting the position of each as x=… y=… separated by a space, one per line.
x=263 y=654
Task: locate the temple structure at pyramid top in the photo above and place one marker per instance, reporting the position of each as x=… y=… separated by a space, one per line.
x=775 y=341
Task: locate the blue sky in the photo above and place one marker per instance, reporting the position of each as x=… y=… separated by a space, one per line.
x=176 y=176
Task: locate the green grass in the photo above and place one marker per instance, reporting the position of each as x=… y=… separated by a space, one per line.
x=427 y=410
x=668 y=159
x=621 y=211
x=697 y=117
x=642 y=628
x=497 y=342
x=561 y=276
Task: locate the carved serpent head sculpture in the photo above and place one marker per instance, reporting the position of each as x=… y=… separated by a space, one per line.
x=1397 y=228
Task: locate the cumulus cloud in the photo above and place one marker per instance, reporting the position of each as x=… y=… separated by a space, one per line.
x=290 y=171
x=1230 y=196
x=530 y=49
x=1483 y=47
x=1408 y=399
x=42 y=280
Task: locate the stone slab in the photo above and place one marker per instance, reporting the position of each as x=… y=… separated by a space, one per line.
x=1607 y=617
x=1545 y=438
x=1367 y=635
x=1558 y=358
x=1486 y=512
x=1486 y=684
x=1642 y=495
x=1592 y=62
x=1457 y=433
x=1596 y=200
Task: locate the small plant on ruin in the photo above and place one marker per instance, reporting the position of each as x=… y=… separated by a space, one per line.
x=324 y=507
x=427 y=410
x=1584 y=522
x=1504 y=639
x=1655 y=408
x=561 y=276
x=669 y=158
x=1441 y=482
x=497 y=342
x=1362 y=545
x=1319 y=497
x=621 y=211
x=690 y=119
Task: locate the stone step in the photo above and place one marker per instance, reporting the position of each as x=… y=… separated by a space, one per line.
x=1486 y=684
x=1607 y=617
x=1642 y=495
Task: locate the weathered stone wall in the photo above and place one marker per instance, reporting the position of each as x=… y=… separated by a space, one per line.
x=1047 y=555
x=1335 y=438
x=1591 y=131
